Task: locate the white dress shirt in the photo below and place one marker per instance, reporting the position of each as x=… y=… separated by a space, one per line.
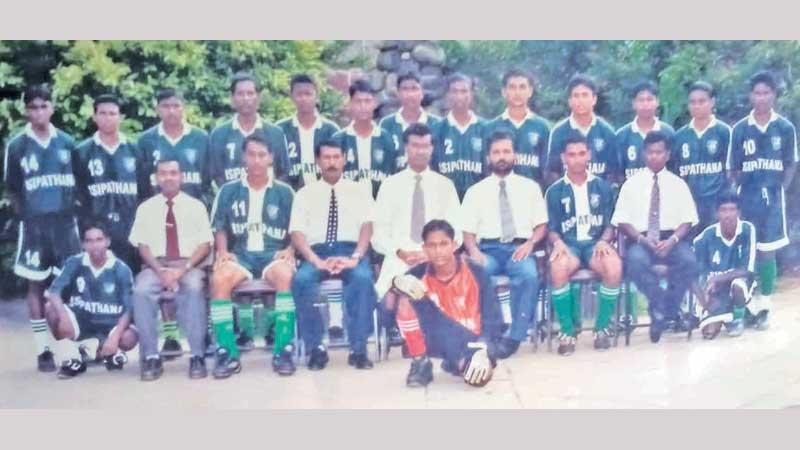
x=675 y=200
x=393 y=209
x=312 y=203
x=191 y=218
x=481 y=208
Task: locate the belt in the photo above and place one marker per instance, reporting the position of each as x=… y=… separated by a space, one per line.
x=515 y=241
x=663 y=235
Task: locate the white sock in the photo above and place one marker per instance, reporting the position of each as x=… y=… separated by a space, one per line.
x=41 y=335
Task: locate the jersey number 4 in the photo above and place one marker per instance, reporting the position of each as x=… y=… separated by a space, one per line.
x=29 y=164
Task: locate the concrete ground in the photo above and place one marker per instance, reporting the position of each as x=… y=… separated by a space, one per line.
x=756 y=370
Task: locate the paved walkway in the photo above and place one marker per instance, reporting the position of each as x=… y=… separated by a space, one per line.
x=757 y=370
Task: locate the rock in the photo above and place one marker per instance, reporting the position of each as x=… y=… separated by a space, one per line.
x=433 y=85
x=357 y=51
x=428 y=53
x=408 y=66
x=391 y=84
x=376 y=79
x=406 y=46
x=388 y=60
x=340 y=79
x=435 y=71
x=388 y=45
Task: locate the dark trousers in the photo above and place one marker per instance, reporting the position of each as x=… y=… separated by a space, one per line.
x=444 y=337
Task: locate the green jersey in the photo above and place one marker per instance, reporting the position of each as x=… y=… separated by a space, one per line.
x=531 y=139
x=301 y=144
x=395 y=125
x=630 y=148
x=602 y=142
x=458 y=152
x=699 y=158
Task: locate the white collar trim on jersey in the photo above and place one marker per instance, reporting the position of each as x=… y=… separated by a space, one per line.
x=122 y=140
x=473 y=119
x=46 y=143
x=351 y=130
x=236 y=126
x=507 y=116
x=110 y=260
x=751 y=120
x=589 y=178
x=718 y=229
x=247 y=185
x=574 y=124
x=635 y=127
x=186 y=130
x=316 y=126
x=700 y=133
x=423 y=118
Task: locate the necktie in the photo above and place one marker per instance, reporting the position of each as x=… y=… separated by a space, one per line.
x=653 y=225
x=173 y=251
x=333 y=220
x=417 y=210
x=506 y=217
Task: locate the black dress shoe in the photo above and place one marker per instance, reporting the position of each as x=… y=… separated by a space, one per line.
x=507 y=347
x=282 y=363
x=171 y=349
x=152 y=369
x=421 y=372
x=318 y=359
x=359 y=361
x=197 y=367
x=45 y=362
x=656 y=328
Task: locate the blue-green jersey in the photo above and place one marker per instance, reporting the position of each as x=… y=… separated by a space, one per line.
x=579 y=214
x=458 y=152
x=191 y=152
x=254 y=222
x=226 y=150
x=381 y=153
x=302 y=165
x=630 y=140
x=699 y=158
x=97 y=296
x=762 y=154
x=41 y=173
x=717 y=255
x=111 y=181
x=531 y=139
x=605 y=161
x=394 y=125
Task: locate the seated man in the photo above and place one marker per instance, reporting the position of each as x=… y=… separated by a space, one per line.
x=331 y=226
x=726 y=252
x=457 y=309
x=250 y=220
x=504 y=217
x=579 y=207
x=98 y=286
x=173 y=234
x=655 y=212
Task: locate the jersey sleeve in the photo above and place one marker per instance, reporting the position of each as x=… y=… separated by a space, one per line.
x=66 y=277
x=280 y=153
x=554 y=152
x=82 y=178
x=790 y=154
x=219 y=218
x=748 y=258
x=125 y=282
x=12 y=173
x=734 y=161
x=607 y=208
x=700 y=248
x=553 y=210
x=216 y=155
x=205 y=170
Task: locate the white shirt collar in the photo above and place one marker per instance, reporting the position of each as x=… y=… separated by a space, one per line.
x=186 y=130
x=423 y=118
x=507 y=178
x=175 y=200
x=247 y=185
x=317 y=122
x=238 y=127
x=699 y=133
x=575 y=125
x=751 y=119
x=412 y=173
x=569 y=182
x=473 y=119
x=718 y=229
x=635 y=126
x=110 y=260
x=376 y=131
x=122 y=140
x=46 y=143
x=528 y=115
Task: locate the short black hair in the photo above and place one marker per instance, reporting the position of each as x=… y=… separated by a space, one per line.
x=240 y=77
x=438 y=225
x=94 y=223
x=655 y=137
x=360 y=86
x=575 y=138
x=407 y=76
x=643 y=86
x=501 y=134
x=257 y=137
x=763 y=77
x=106 y=98
x=165 y=160
x=581 y=80
x=459 y=77
x=40 y=91
x=301 y=78
x=168 y=92
x=327 y=143
x=517 y=73
x=416 y=129
x=728 y=197
x=703 y=86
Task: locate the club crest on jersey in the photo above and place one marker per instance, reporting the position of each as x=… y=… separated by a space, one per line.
x=477 y=144
x=272 y=212
x=533 y=138
x=129 y=164
x=191 y=155
x=378 y=155
x=109 y=288
x=776 y=143
x=712 y=146
x=63 y=156
x=594 y=200
x=80 y=283
x=599 y=144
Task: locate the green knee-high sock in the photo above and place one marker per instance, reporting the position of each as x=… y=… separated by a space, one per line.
x=222 y=319
x=284 y=321
x=562 y=304
x=608 y=301
x=767 y=273
x=575 y=294
x=246 y=322
x=169 y=329
x=738 y=312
